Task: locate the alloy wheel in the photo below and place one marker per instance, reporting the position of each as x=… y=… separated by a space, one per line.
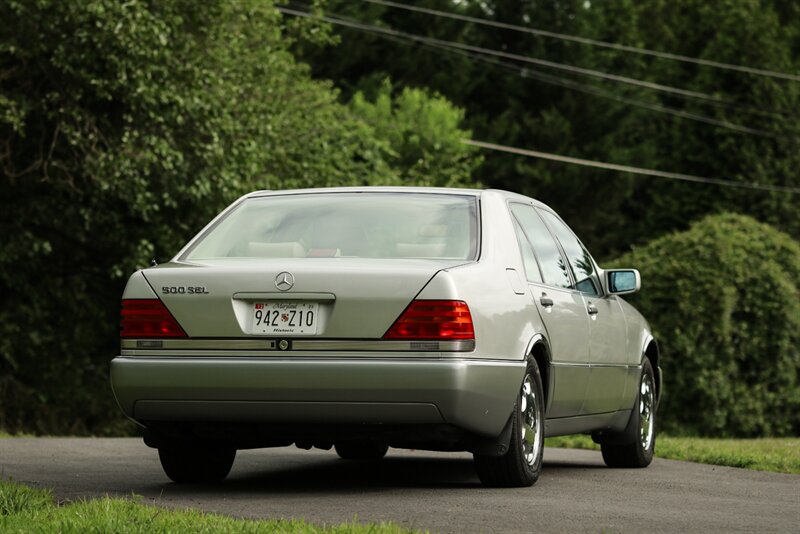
x=531 y=433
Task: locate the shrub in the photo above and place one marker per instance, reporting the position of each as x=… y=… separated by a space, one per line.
x=124 y=127
x=723 y=301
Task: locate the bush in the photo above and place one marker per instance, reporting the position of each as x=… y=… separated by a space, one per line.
x=723 y=301
x=124 y=127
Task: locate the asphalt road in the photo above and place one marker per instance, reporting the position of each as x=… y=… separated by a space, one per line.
x=436 y=491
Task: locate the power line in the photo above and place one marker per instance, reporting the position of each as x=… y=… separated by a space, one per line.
x=401 y=36
x=596 y=91
x=506 y=55
x=629 y=169
x=591 y=42
x=337 y=20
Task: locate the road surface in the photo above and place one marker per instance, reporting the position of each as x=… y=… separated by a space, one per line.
x=424 y=490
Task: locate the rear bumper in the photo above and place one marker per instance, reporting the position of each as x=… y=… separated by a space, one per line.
x=474 y=395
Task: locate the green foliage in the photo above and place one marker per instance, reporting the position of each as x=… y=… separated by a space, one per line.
x=17 y=499
x=608 y=210
x=24 y=509
x=424 y=135
x=124 y=126
x=723 y=300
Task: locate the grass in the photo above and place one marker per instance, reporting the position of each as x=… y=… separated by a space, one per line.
x=25 y=509
x=4 y=434
x=779 y=455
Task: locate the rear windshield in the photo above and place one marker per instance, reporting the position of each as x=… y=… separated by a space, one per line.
x=359 y=225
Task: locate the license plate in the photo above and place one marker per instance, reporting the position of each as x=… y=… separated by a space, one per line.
x=285 y=317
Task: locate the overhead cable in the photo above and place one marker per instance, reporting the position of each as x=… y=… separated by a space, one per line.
x=675 y=91
x=629 y=169
x=596 y=91
x=591 y=42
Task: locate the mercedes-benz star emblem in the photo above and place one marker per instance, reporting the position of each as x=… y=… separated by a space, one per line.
x=284 y=281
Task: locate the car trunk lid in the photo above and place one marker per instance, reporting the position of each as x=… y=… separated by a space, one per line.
x=354 y=298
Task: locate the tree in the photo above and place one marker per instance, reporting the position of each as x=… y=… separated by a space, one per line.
x=424 y=135
x=583 y=117
x=124 y=126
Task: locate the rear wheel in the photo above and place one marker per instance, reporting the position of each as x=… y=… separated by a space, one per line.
x=189 y=465
x=361 y=450
x=638 y=442
x=521 y=465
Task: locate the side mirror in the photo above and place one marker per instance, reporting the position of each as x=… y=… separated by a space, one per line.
x=623 y=281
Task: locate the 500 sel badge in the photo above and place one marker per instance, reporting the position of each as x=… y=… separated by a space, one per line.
x=181 y=290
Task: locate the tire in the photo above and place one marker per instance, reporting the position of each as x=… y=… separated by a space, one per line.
x=638 y=442
x=187 y=466
x=361 y=450
x=521 y=465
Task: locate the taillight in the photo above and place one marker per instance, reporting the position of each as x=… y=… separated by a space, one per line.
x=434 y=320
x=148 y=318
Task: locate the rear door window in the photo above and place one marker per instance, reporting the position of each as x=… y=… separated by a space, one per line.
x=554 y=269
x=528 y=259
x=586 y=280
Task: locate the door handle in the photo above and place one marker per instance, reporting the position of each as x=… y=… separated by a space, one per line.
x=546 y=301
x=592 y=309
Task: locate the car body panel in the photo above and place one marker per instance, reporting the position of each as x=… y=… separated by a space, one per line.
x=347 y=373
x=138 y=288
x=609 y=355
x=476 y=395
x=563 y=322
x=367 y=296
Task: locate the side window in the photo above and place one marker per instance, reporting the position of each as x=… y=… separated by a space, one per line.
x=553 y=269
x=531 y=267
x=586 y=280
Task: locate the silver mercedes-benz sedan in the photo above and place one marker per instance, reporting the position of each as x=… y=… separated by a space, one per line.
x=364 y=318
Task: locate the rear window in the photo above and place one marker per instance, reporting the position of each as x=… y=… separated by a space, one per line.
x=359 y=225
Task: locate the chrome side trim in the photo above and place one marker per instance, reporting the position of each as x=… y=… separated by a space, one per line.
x=595 y=365
x=199 y=344
x=580 y=424
x=267 y=296
x=380 y=345
x=299 y=345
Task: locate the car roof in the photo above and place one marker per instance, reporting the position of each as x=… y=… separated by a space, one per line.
x=398 y=189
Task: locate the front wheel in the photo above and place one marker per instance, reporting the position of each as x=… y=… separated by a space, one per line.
x=521 y=465
x=638 y=443
x=190 y=465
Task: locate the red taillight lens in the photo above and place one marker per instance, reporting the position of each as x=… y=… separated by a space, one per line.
x=148 y=318
x=433 y=319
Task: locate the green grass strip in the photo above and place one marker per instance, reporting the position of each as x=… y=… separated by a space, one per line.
x=5 y=434
x=24 y=509
x=779 y=455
